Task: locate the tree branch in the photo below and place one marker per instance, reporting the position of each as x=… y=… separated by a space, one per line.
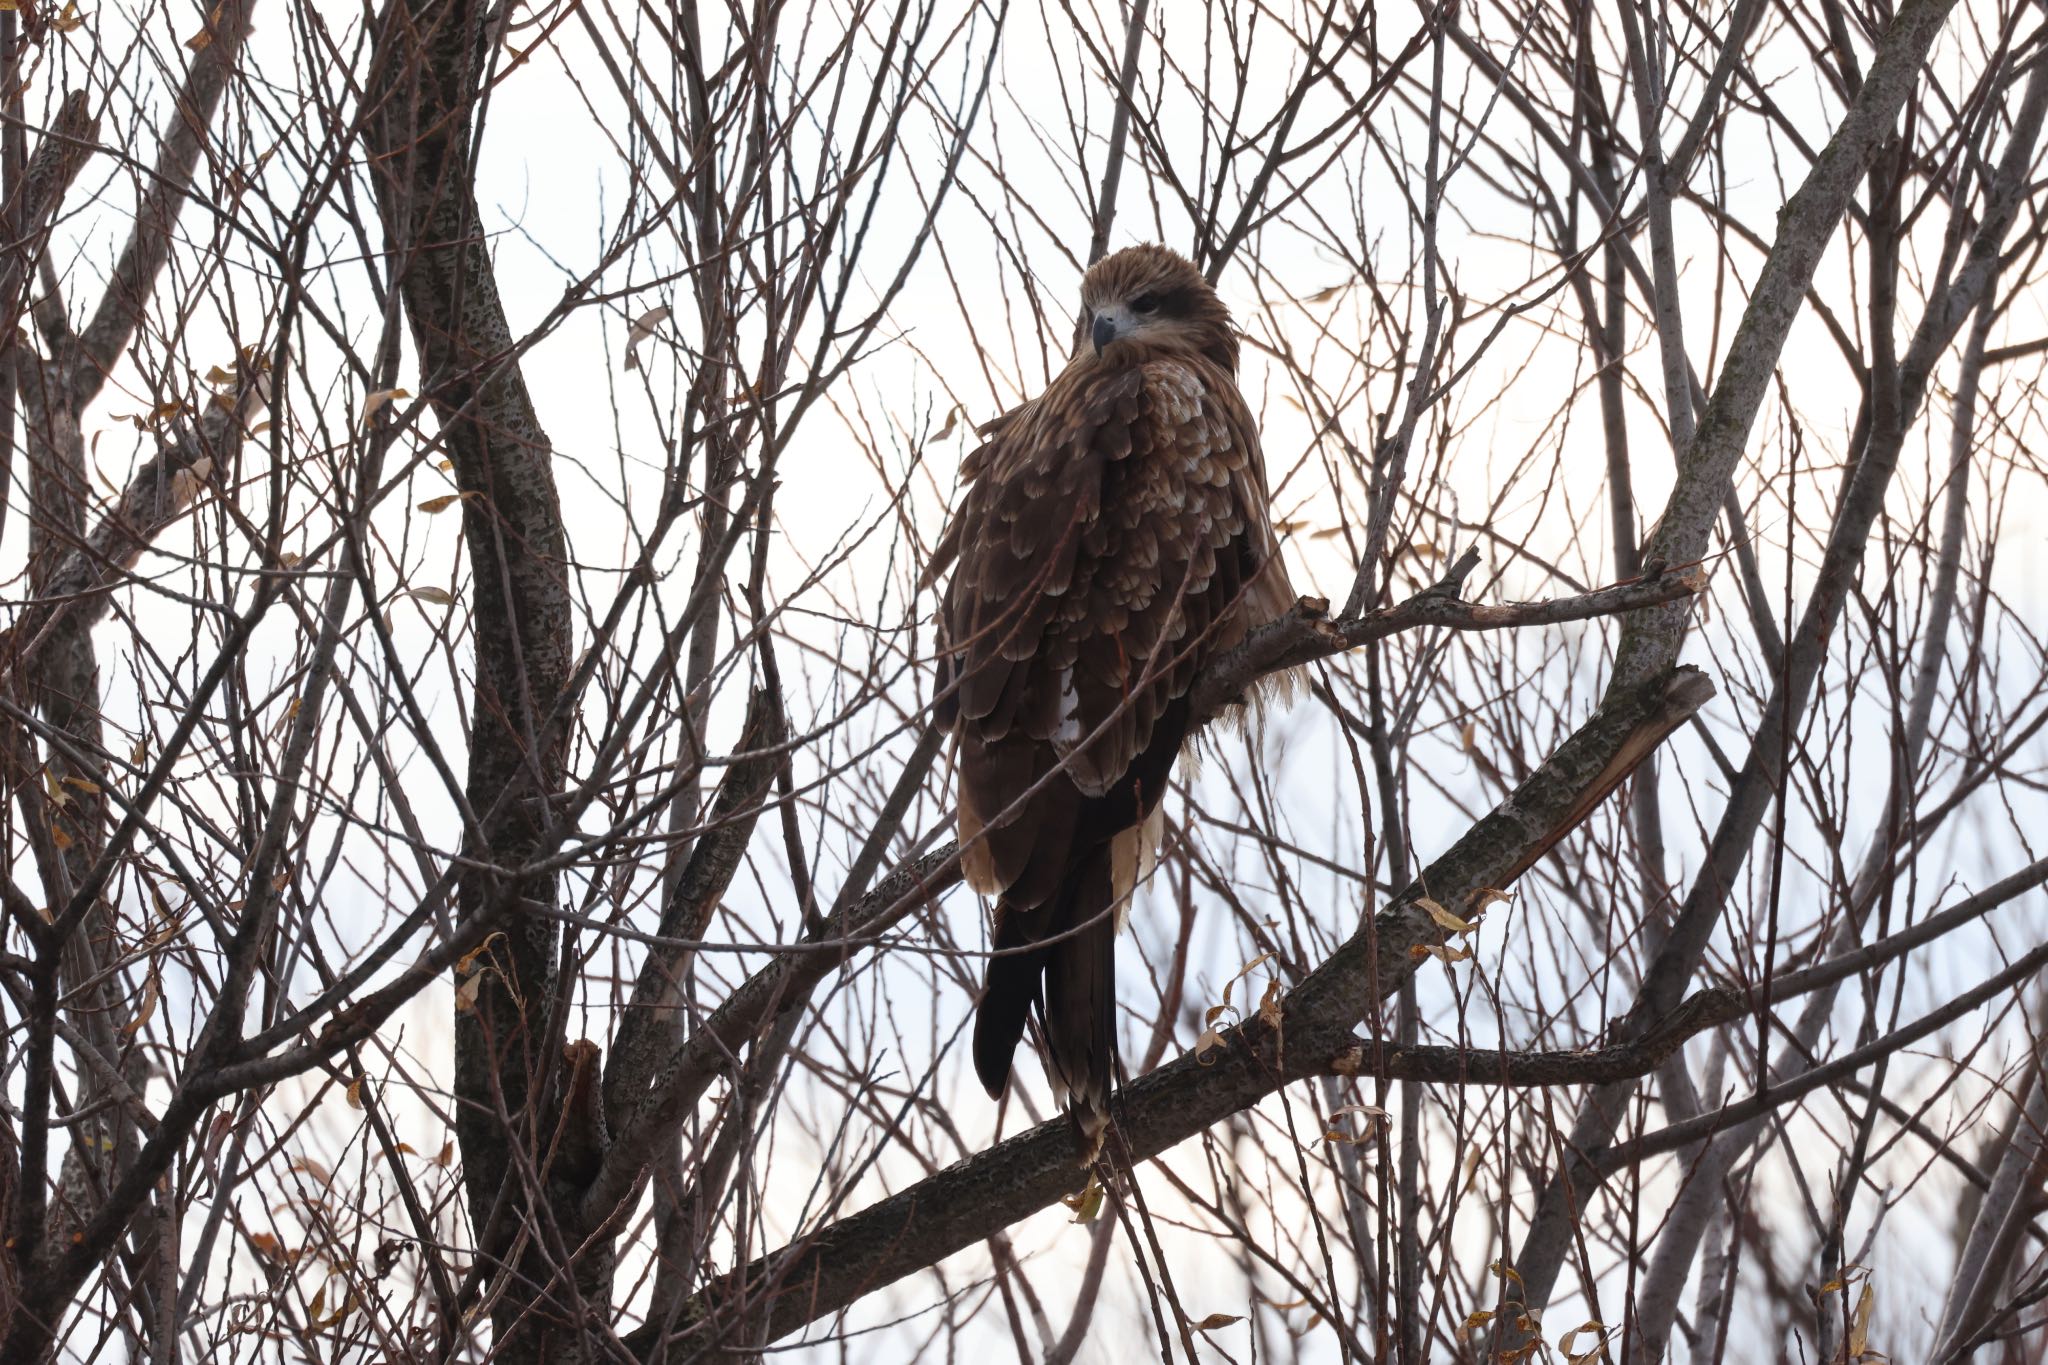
x=820 y=1274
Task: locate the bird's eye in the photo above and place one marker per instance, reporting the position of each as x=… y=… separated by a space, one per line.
x=1145 y=303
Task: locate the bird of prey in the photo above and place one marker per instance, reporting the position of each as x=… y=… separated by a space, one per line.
x=1113 y=537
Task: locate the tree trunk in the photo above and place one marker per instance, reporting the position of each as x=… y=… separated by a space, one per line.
x=434 y=61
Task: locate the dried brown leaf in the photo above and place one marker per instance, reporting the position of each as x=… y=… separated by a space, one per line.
x=378 y=399
x=1445 y=919
x=1586 y=1357
x=151 y=992
x=642 y=328
x=199 y=41
x=1859 y=1321
x=1087 y=1205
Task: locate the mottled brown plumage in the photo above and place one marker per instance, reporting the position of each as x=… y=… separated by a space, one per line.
x=1112 y=538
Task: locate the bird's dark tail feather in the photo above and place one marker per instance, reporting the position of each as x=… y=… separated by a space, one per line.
x=1080 y=994
x=1013 y=985
x=1072 y=979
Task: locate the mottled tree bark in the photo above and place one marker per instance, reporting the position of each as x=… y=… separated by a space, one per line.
x=434 y=62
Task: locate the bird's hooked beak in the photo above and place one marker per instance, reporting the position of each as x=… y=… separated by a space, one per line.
x=1104 y=332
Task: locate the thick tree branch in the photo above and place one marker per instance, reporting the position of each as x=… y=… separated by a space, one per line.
x=818 y=1275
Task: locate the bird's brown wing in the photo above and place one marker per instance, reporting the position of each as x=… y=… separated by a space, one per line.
x=1114 y=540
x=1038 y=486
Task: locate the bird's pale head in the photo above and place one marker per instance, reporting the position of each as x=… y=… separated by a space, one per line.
x=1150 y=298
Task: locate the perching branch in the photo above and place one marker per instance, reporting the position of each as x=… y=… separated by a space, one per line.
x=822 y=1273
